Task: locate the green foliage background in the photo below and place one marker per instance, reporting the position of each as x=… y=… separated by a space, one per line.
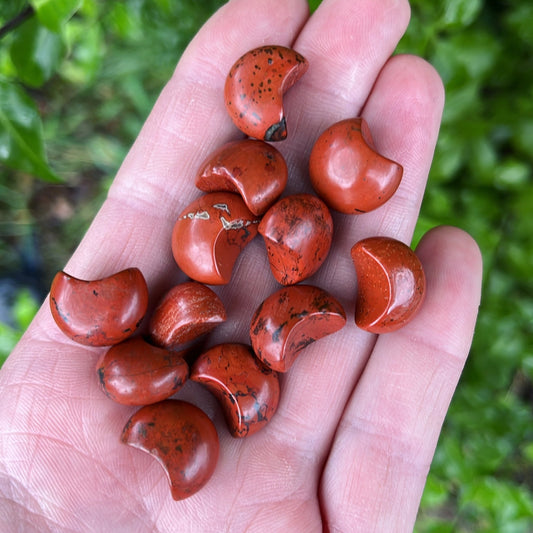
x=78 y=78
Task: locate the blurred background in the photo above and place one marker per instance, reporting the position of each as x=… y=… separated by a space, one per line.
x=77 y=80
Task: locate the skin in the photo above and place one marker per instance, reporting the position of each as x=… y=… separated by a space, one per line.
x=359 y=416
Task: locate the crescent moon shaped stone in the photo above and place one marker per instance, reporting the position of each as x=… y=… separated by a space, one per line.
x=348 y=173
x=252 y=168
x=137 y=373
x=291 y=319
x=391 y=284
x=185 y=312
x=247 y=391
x=255 y=86
x=101 y=312
x=210 y=234
x=181 y=437
x=298 y=231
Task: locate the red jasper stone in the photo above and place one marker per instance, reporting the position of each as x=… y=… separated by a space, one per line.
x=100 y=312
x=348 y=173
x=137 y=373
x=252 y=168
x=210 y=234
x=185 y=312
x=255 y=86
x=298 y=231
x=391 y=284
x=181 y=437
x=247 y=391
x=291 y=319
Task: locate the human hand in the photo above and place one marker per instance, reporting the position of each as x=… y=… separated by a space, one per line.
x=352 y=440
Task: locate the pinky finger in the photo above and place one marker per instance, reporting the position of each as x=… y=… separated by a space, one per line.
x=376 y=471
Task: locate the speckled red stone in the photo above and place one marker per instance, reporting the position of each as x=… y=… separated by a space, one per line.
x=298 y=231
x=255 y=86
x=100 y=312
x=181 y=437
x=185 y=312
x=247 y=391
x=291 y=319
x=252 y=168
x=137 y=373
x=209 y=235
x=391 y=284
x=348 y=173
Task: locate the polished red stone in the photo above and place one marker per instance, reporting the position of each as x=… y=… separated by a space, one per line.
x=255 y=86
x=298 y=231
x=348 y=173
x=185 y=312
x=210 y=234
x=291 y=319
x=137 y=373
x=252 y=168
x=181 y=437
x=100 y=312
x=391 y=284
x=248 y=392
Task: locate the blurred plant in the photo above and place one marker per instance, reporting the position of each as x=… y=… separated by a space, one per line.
x=77 y=80
x=481 y=180
x=23 y=309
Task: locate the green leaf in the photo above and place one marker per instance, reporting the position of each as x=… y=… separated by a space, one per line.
x=24 y=308
x=8 y=339
x=9 y=10
x=528 y=448
x=313 y=5
x=436 y=492
x=21 y=139
x=460 y=13
x=86 y=46
x=510 y=507
x=520 y=20
x=512 y=174
x=54 y=13
x=36 y=52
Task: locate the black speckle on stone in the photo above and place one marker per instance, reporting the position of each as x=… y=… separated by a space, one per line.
x=277 y=132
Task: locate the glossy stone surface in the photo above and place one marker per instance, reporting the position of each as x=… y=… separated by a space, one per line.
x=348 y=173
x=252 y=168
x=298 y=231
x=255 y=86
x=291 y=319
x=137 y=373
x=181 y=437
x=99 y=312
x=210 y=234
x=185 y=312
x=391 y=284
x=247 y=391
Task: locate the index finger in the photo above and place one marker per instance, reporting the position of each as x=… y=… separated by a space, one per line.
x=187 y=122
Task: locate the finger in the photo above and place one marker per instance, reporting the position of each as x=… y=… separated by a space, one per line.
x=405 y=112
x=156 y=181
x=375 y=473
x=346 y=42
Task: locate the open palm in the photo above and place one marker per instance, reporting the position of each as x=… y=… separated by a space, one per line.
x=359 y=417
